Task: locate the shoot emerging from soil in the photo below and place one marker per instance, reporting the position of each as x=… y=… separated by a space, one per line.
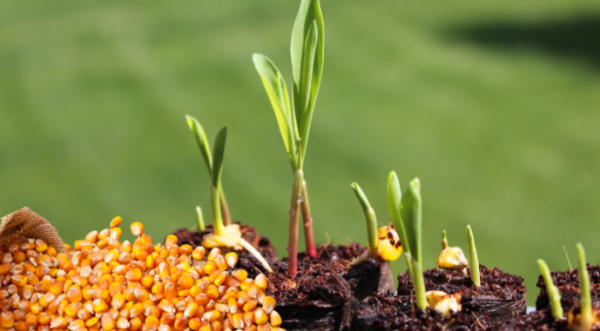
x=204 y=147
x=294 y=115
x=474 y=263
x=384 y=244
x=585 y=301
x=199 y=219
x=553 y=292
x=224 y=236
x=452 y=258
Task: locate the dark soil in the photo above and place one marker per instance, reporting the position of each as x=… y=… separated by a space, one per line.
x=540 y=320
x=262 y=244
x=568 y=284
x=399 y=313
x=501 y=296
x=367 y=278
x=315 y=299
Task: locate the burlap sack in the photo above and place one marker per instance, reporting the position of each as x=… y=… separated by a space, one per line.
x=25 y=224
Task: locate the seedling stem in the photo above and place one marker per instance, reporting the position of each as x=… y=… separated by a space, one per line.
x=473 y=260
x=199 y=219
x=294 y=220
x=585 y=301
x=553 y=292
x=307 y=221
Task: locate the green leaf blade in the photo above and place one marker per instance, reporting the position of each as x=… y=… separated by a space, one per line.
x=278 y=96
x=394 y=198
x=411 y=213
x=219 y=154
x=201 y=140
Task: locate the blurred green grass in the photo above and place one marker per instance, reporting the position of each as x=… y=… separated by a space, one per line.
x=480 y=100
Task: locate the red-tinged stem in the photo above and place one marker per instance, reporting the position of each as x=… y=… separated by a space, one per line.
x=294 y=220
x=307 y=219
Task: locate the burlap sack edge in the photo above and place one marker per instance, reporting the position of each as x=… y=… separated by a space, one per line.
x=25 y=224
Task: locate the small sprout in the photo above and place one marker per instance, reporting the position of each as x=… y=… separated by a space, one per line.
x=294 y=118
x=452 y=258
x=230 y=235
x=203 y=145
x=384 y=244
x=475 y=277
x=553 y=292
x=444 y=240
x=444 y=302
x=410 y=213
x=199 y=219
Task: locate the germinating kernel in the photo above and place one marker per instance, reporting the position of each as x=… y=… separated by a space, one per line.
x=104 y=284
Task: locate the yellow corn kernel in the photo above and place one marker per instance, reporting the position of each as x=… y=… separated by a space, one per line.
x=134 y=275
x=268 y=304
x=198 y=253
x=250 y=305
x=195 y=323
x=209 y=268
x=31 y=319
x=213 y=254
x=248 y=318
x=40 y=246
x=108 y=323
x=115 y=233
x=212 y=315
x=216 y=325
x=261 y=281
x=117 y=301
x=135 y=324
x=245 y=285
x=43 y=318
x=231 y=258
x=275 y=319
x=46 y=299
x=260 y=317
x=137 y=228
x=7 y=320
x=205 y=328
x=58 y=323
x=36 y=308
x=72 y=309
x=91 y=322
x=116 y=221
x=92 y=236
x=99 y=306
x=240 y=274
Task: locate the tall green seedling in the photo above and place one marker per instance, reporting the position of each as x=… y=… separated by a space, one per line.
x=294 y=115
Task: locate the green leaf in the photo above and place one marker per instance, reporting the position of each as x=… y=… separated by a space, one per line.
x=371 y=219
x=302 y=108
x=410 y=211
x=278 y=95
x=307 y=51
x=394 y=197
x=201 y=140
x=219 y=154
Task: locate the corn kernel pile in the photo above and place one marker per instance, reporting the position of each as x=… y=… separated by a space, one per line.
x=103 y=284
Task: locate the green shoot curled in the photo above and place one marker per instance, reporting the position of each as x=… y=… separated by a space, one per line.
x=553 y=292
x=203 y=145
x=371 y=220
x=585 y=301
x=199 y=219
x=294 y=219
x=307 y=52
x=473 y=260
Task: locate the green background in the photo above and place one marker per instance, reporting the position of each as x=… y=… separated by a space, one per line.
x=493 y=105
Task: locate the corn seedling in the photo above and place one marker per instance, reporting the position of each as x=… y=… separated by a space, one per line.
x=294 y=116
x=405 y=211
x=553 y=292
x=474 y=261
x=384 y=244
x=204 y=147
x=586 y=319
x=224 y=235
x=452 y=258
